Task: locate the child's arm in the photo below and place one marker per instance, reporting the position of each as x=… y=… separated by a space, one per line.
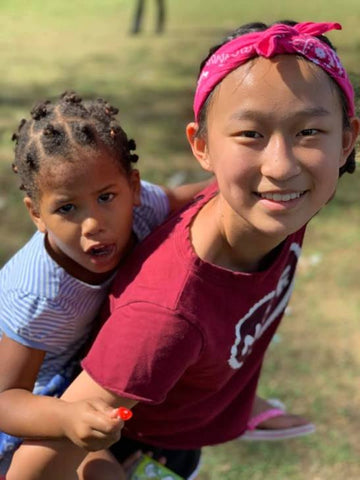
x=91 y=424
x=57 y=460
x=183 y=194
x=103 y=465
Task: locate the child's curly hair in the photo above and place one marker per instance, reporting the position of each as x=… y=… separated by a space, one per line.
x=56 y=132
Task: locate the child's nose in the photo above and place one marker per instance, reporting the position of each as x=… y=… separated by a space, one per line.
x=92 y=225
x=279 y=161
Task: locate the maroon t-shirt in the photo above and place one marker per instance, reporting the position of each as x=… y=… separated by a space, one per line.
x=187 y=338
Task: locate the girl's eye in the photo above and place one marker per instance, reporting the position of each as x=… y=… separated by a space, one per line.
x=69 y=207
x=249 y=134
x=106 y=197
x=308 y=132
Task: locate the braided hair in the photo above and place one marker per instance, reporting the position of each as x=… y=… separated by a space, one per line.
x=56 y=132
x=350 y=163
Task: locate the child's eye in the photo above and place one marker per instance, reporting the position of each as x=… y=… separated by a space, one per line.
x=307 y=132
x=64 y=209
x=106 y=197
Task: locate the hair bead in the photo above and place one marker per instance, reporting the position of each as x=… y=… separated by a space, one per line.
x=50 y=129
x=30 y=160
x=71 y=97
x=131 y=144
x=110 y=110
x=21 y=124
x=39 y=111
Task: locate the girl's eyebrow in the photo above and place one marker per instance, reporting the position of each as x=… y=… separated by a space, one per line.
x=106 y=187
x=61 y=199
x=249 y=114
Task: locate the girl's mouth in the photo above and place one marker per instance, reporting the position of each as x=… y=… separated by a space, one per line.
x=101 y=250
x=280 y=197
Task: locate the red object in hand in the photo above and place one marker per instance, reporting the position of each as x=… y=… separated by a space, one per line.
x=124 y=413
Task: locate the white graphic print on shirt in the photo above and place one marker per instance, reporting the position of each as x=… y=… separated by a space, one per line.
x=261 y=315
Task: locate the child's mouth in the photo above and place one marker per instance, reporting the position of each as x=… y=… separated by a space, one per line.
x=101 y=250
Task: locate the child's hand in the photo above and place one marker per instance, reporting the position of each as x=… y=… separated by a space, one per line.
x=91 y=424
x=129 y=464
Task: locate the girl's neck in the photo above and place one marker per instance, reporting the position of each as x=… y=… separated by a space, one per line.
x=230 y=242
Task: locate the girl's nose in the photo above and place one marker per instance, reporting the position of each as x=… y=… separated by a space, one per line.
x=279 y=161
x=91 y=225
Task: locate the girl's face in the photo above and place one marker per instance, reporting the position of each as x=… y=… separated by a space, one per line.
x=275 y=142
x=86 y=210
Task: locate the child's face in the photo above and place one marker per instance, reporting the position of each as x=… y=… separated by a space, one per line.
x=86 y=210
x=275 y=141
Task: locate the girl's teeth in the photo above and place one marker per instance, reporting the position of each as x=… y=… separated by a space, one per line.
x=278 y=197
x=100 y=251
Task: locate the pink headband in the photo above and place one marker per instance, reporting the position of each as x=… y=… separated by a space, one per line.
x=278 y=39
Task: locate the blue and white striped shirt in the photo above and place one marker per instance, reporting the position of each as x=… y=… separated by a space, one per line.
x=43 y=307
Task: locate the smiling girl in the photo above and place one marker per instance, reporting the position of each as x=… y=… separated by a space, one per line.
x=186 y=338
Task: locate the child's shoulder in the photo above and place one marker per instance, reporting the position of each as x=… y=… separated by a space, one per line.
x=30 y=250
x=31 y=269
x=153 y=209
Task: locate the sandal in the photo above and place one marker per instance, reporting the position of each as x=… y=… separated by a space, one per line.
x=253 y=433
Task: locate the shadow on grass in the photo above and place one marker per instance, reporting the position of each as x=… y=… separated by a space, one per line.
x=156 y=113
x=16 y=226
x=150 y=110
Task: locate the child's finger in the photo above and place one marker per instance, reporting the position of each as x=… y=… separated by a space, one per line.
x=99 y=422
x=161 y=459
x=129 y=462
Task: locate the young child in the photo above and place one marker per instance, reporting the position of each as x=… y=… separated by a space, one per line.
x=197 y=303
x=85 y=198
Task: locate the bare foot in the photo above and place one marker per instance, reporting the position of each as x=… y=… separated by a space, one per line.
x=287 y=420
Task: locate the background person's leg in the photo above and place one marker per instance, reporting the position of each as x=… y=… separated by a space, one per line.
x=138 y=16
x=161 y=15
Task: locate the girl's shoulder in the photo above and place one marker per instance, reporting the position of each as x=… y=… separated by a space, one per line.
x=153 y=209
x=32 y=270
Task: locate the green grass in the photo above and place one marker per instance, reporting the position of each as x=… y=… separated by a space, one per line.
x=47 y=47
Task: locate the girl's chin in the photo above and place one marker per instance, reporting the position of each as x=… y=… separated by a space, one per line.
x=279 y=229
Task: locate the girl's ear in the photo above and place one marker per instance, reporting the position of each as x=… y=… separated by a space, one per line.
x=34 y=214
x=350 y=136
x=135 y=186
x=198 y=146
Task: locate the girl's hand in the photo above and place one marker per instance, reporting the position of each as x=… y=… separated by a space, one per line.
x=91 y=424
x=129 y=464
